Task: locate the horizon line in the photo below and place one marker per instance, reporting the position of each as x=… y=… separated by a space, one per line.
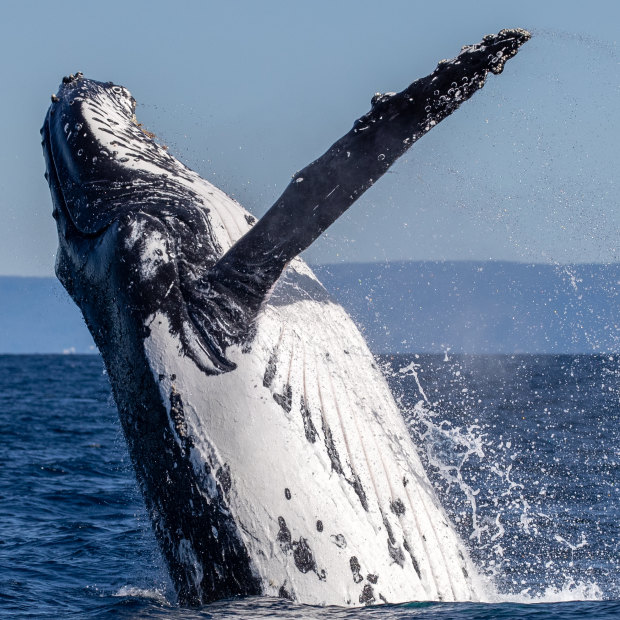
x=404 y=260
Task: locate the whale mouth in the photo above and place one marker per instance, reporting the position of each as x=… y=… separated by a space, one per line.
x=60 y=210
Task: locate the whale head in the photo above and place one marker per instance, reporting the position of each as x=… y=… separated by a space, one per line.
x=98 y=155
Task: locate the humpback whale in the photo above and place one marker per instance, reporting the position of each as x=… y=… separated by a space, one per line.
x=272 y=457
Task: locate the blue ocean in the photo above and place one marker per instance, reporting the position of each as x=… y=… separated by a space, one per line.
x=523 y=450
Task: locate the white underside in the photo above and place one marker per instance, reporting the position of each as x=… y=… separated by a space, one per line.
x=234 y=420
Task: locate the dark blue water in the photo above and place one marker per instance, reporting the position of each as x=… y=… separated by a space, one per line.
x=524 y=452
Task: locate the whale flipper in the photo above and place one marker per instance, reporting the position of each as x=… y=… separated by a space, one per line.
x=320 y=193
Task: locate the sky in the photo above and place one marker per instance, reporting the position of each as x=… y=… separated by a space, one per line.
x=247 y=93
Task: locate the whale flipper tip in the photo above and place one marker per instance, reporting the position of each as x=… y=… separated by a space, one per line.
x=492 y=52
x=510 y=40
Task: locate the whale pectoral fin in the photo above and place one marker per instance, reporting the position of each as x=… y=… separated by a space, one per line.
x=326 y=188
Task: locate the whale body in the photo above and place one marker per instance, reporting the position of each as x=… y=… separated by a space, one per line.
x=271 y=454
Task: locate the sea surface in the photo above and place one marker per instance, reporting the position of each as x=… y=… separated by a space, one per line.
x=524 y=452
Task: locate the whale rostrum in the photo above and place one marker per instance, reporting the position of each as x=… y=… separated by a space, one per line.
x=271 y=454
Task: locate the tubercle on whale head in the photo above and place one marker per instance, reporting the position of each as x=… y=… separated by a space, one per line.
x=74 y=88
x=98 y=155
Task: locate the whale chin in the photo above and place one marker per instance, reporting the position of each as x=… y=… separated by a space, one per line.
x=272 y=457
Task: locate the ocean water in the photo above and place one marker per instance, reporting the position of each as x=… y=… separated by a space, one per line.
x=524 y=452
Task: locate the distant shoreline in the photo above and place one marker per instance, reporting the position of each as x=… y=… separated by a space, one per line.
x=404 y=307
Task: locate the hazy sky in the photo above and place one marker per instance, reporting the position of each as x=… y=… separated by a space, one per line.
x=246 y=93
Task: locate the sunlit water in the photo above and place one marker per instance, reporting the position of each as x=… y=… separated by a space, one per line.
x=523 y=451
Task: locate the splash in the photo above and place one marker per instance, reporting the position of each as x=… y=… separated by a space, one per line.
x=153 y=594
x=500 y=460
x=571 y=590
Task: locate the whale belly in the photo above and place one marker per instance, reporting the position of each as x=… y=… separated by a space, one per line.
x=321 y=476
